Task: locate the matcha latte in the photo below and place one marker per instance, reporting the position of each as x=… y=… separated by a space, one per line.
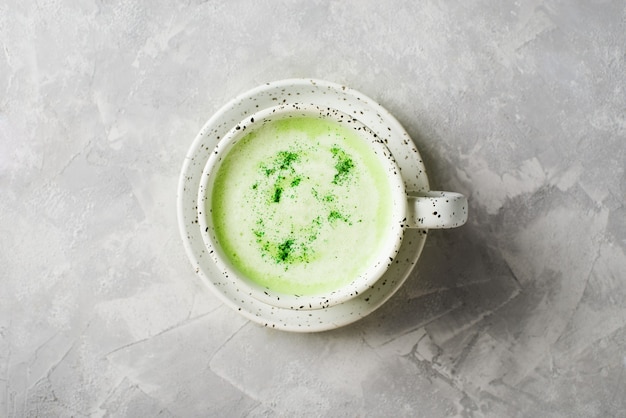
x=301 y=205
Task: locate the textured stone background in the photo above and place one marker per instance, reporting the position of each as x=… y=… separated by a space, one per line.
x=519 y=104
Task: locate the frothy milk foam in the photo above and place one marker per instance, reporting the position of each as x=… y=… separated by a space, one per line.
x=301 y=205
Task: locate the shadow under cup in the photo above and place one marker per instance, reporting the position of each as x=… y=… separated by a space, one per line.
x=302 y=207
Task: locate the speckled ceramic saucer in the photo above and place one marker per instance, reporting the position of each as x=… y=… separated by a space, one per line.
x=310 y=92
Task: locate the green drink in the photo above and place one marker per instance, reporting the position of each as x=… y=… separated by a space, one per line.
x=301 y=205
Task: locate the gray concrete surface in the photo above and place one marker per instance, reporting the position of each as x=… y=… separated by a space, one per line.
x=521 y=105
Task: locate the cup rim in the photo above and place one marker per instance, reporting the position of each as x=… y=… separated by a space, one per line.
x=293 y=301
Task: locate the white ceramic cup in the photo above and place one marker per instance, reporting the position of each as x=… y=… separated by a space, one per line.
x=426 y=210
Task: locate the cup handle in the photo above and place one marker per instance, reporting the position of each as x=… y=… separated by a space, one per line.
x=436 y=210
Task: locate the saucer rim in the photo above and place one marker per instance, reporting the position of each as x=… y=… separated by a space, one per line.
x=251 y=308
